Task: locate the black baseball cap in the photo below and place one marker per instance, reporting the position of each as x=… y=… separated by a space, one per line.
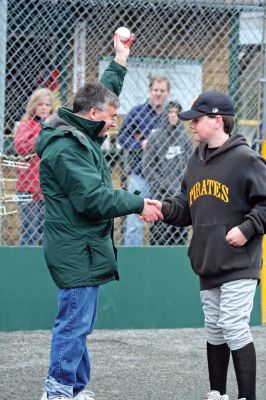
x=208 y=103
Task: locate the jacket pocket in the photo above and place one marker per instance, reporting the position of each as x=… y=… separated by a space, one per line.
x=102 y=258
x=211 y=255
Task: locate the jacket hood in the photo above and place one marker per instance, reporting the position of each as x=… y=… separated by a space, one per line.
x=66 y=121
x=233 y=141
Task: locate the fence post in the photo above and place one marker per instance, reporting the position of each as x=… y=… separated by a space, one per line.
x=263 y=273
x=3 y=34
x=233 y=61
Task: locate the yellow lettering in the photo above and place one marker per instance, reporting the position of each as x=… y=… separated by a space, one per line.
x=216 y=191
x=191 y=197
x=225 y=192
x=208 y=187
x=209 y=184
x=197 y=190
x=203 y=189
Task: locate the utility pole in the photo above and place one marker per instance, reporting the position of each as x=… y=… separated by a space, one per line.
x=263 y=152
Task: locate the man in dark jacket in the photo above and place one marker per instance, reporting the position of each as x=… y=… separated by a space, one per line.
x=164 y=162
x=80 y=206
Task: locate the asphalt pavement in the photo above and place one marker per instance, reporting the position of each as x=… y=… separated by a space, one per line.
x=163 y=364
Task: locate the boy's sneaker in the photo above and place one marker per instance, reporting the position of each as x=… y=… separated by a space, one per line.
x=215 y=395
x=85 y=395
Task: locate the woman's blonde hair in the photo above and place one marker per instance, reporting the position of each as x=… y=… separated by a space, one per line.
x=35 y=98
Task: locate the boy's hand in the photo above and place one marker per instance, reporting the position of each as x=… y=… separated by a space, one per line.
x=122 y=49
x=157 y=203
x=235 y=237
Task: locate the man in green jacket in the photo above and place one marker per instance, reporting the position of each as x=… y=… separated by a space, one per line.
x=80 y=206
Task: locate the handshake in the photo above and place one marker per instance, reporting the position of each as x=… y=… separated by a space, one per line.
x=152 y=211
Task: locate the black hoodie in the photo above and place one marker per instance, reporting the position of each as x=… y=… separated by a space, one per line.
x=221 y=190
x=165 y=158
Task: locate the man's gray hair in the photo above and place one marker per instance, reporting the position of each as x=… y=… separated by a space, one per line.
x=94 y=95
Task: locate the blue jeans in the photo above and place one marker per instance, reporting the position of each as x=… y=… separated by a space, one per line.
x=69 y=370
x=32 y=220
x=134 y=226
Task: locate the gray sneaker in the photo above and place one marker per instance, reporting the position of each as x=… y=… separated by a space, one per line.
x=215 y=395
x=44 y=397
x=85 y=395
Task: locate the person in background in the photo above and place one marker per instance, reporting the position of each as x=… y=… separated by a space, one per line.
x=164 y=162
x=133 y=137
x=39 y=108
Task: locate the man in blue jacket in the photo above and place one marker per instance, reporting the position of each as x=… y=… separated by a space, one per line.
x=133 y=137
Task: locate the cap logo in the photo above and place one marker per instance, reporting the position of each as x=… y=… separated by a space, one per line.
x=215 y=110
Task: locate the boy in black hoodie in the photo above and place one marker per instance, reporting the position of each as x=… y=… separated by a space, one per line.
x=223 y=196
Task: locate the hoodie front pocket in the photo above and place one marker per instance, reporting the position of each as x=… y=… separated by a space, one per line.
x=210 y=254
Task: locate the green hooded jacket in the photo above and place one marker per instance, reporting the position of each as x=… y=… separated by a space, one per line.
x=80 y=200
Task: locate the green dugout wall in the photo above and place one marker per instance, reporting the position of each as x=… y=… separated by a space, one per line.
x=157 y=289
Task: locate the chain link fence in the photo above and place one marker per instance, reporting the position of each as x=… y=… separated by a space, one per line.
x=60 y=44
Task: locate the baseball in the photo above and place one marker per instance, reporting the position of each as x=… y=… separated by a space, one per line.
x=124 y=33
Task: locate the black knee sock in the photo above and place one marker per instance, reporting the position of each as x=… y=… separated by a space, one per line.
x=244 y=360
x=218 y=360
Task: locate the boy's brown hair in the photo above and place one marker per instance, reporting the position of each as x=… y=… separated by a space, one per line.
x=228 y=121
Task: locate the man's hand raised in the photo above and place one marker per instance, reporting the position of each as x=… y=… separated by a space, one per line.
x=151 y=211
x=122 y=49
